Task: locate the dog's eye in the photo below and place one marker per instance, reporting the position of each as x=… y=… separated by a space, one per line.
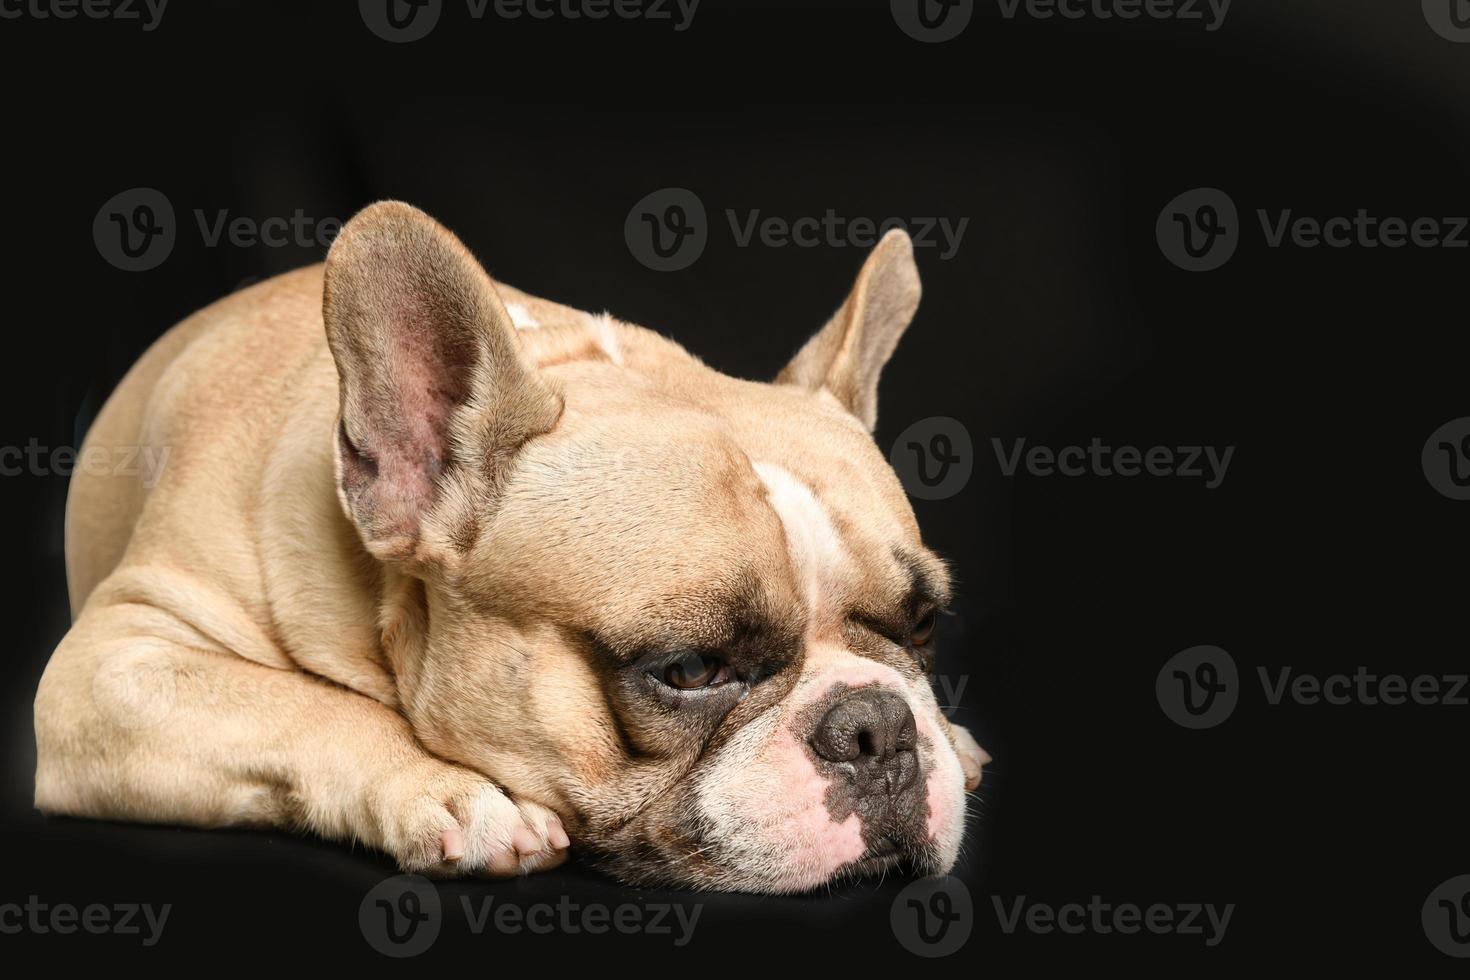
x=696 y=670
x=923 y=630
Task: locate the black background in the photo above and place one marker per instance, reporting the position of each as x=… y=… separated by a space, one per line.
x=1057 y=321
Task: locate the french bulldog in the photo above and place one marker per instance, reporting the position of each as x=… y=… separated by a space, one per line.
x=474 y=578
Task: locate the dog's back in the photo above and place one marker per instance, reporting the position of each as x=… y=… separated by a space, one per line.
x=233 y=351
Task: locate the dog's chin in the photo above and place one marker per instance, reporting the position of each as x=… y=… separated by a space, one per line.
x=886 y=857
x=878 y=861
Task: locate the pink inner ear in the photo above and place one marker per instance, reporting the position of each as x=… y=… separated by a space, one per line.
x=404 y=437
x=428 y=385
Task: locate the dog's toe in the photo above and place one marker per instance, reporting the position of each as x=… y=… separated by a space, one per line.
x=448 y=821
x=973 y=758
x=544 y=843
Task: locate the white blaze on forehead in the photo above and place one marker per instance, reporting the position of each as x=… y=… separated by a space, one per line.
x=760 y=797
x=816 y=549
x=607 y=337
x=521 y=317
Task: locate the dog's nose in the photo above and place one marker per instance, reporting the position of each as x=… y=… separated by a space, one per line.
x=872 y=729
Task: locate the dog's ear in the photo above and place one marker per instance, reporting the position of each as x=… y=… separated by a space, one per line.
x=436 y=394
x=846 y=356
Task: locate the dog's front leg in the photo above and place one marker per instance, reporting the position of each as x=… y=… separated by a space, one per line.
x=135 y=722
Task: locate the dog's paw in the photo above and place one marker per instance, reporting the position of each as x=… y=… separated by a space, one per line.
x=451 y=821
x=972 y=757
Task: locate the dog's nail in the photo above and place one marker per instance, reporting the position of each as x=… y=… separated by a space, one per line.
x=558 y=836
x=452 y=841
x=525 y=841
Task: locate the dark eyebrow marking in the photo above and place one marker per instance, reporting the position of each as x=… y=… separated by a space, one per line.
x=923 y=584
x=928 y=578
x=735 y=619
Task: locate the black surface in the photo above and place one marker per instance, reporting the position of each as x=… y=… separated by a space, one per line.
x=1325 y=548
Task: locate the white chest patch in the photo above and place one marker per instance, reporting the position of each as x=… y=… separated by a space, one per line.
x=816 y=550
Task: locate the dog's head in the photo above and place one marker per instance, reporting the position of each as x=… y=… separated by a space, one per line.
x=692 y=614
